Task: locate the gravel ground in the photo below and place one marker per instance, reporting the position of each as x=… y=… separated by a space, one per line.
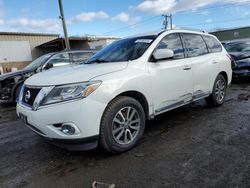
x=193 y=146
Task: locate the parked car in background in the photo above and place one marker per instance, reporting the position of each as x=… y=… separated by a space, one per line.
x=11 y=83
x=108 y=99
x=239 y=50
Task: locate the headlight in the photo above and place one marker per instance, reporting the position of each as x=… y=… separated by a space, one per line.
x=70 y=92
x=233 y=63
x=20 y=97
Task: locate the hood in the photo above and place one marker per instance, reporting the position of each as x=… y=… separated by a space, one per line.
x=13 y=74
x=243 y=63
x=74 y=74
x=239 y=55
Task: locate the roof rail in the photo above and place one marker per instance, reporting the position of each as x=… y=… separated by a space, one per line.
x=190 y=29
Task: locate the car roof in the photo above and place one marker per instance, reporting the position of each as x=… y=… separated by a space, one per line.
x=157 y=33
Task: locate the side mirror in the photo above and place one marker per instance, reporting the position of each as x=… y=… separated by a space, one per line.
x=162 y=54
x=39 y=69
x=48 y=66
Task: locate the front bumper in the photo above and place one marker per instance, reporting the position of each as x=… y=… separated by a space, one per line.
x=241 y=68
x=84 y=114
x=76 y=144
x=5 y=94
x=237 y=73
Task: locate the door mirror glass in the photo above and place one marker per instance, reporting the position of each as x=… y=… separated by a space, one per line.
x=162 y=54
x=39 y=69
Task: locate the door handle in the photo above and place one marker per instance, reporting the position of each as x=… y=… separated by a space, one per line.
x=186 y=68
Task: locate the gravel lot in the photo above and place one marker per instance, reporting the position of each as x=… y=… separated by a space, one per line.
x=194 y=146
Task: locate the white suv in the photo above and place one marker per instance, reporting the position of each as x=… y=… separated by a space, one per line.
x=107 y=99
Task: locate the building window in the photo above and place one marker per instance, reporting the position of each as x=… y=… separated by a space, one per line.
x=236 y=34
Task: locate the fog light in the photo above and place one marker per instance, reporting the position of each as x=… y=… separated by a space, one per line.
x=68 y=129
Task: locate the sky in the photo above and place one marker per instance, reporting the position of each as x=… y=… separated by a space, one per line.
x=121 y=17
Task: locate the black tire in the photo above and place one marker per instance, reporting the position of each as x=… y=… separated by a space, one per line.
x=213 y=100
x=108 y=140
x=17 y=92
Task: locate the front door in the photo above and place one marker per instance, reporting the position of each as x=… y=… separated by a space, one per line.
x=171 y=80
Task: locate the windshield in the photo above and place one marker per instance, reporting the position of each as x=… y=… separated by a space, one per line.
x=123 y=50
x=238 y=47
x=38 y=62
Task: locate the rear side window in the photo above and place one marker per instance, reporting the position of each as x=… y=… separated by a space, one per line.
x=172 y=42
x=195 y=45
x=213 y=44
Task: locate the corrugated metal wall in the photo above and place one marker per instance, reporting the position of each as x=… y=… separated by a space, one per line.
x=233 y=34
x=34 y=41
x=15 y=51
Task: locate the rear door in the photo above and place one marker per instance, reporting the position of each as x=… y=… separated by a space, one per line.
x=204 y=64
x=172 y=83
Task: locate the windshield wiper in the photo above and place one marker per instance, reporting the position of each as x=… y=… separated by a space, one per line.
x=96 y=61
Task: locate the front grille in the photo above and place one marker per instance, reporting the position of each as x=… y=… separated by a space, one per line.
x=29 y=95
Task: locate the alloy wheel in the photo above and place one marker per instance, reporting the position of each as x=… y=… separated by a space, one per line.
x=220 y=88
x=126 y=125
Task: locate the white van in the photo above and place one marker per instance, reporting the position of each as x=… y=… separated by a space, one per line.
x=107 y=99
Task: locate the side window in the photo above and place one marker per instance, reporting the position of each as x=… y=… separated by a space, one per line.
x=172 y=42
x=79 y=57
x=213 y=44
x=195 y=45
x=60 y=60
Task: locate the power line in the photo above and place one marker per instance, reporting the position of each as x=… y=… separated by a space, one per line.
x=131 y=25
x=222 y=21
x=214 y=7
x=180 y=13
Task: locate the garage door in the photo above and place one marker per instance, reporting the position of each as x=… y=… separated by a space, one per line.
x=15 y=51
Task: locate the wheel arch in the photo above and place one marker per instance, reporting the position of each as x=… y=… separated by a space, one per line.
x=224 y=74
x=15 y=88
x=140 y=98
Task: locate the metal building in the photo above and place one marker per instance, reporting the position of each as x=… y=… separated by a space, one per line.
x=232 y=34
x=18 y=49
x=85 y=42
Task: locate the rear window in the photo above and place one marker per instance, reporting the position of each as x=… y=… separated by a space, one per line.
x=212 y=44
x=195 y=45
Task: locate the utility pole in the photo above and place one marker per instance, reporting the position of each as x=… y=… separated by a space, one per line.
x=168 y=22
x=171 y=21
x=64 y=25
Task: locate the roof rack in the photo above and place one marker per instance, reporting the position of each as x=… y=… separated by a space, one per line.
x=190 y=29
